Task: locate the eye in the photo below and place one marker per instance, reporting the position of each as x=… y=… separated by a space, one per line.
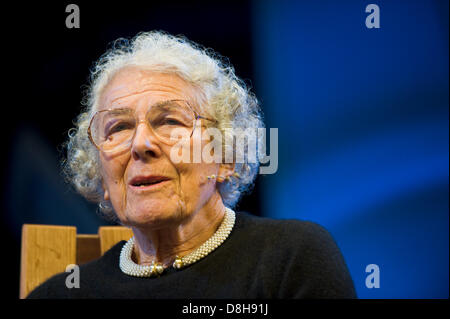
x=119 y=127
x=169 y=121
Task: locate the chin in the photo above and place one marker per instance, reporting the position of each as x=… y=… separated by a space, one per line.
x=153 y=214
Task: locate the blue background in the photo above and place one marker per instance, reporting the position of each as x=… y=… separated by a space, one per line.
x=362 y=118
x=363 y=133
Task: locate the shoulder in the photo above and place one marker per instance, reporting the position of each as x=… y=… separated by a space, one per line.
x=62 y=285
x=286 y=238
x=313 y=265
x=297 y=232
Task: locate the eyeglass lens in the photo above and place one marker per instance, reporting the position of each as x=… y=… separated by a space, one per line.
x=115 y=128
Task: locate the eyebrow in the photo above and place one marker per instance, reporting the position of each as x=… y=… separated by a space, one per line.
x=118 y=110
x=159 y=103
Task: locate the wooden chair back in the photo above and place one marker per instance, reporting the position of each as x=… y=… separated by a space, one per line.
x=48 y=250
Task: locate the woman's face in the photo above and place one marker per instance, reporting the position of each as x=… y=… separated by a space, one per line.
x=185 y=188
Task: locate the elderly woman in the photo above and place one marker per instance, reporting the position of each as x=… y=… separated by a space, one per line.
x=145 y=97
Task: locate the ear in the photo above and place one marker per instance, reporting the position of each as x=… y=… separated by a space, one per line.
x=225 y=170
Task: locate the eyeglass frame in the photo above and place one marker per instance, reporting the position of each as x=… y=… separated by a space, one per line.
x=196 y=117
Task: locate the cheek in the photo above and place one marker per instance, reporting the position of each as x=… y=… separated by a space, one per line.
x=194 y=184
x=113 y=172
x=193 y=175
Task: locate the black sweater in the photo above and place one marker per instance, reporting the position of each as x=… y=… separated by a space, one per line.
x=262 y=258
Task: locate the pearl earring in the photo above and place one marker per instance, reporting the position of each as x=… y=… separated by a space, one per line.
x=221 y=178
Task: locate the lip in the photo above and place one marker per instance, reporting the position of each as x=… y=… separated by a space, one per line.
x=154 y=182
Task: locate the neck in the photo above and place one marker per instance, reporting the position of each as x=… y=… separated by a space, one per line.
x=164 y=244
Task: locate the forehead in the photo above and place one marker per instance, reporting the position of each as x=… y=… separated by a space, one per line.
x=131 y=85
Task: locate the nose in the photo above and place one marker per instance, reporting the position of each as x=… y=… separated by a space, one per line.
x=145 y=144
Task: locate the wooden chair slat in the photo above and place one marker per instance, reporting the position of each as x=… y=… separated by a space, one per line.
x=46 y=251
x=111 y=235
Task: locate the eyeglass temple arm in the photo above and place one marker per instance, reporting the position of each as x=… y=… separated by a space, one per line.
x=202 y=117
x=205 y=118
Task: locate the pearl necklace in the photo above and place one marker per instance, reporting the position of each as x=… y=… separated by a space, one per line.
x=129 y=267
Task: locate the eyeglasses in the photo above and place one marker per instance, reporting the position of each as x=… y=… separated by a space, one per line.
x=113 y=130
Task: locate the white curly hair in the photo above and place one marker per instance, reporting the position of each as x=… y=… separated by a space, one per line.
x=228 y=98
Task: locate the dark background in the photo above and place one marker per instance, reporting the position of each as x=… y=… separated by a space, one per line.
x=51 y=64
x=362 y=116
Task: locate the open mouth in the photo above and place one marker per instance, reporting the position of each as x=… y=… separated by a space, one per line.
x=142 y=182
